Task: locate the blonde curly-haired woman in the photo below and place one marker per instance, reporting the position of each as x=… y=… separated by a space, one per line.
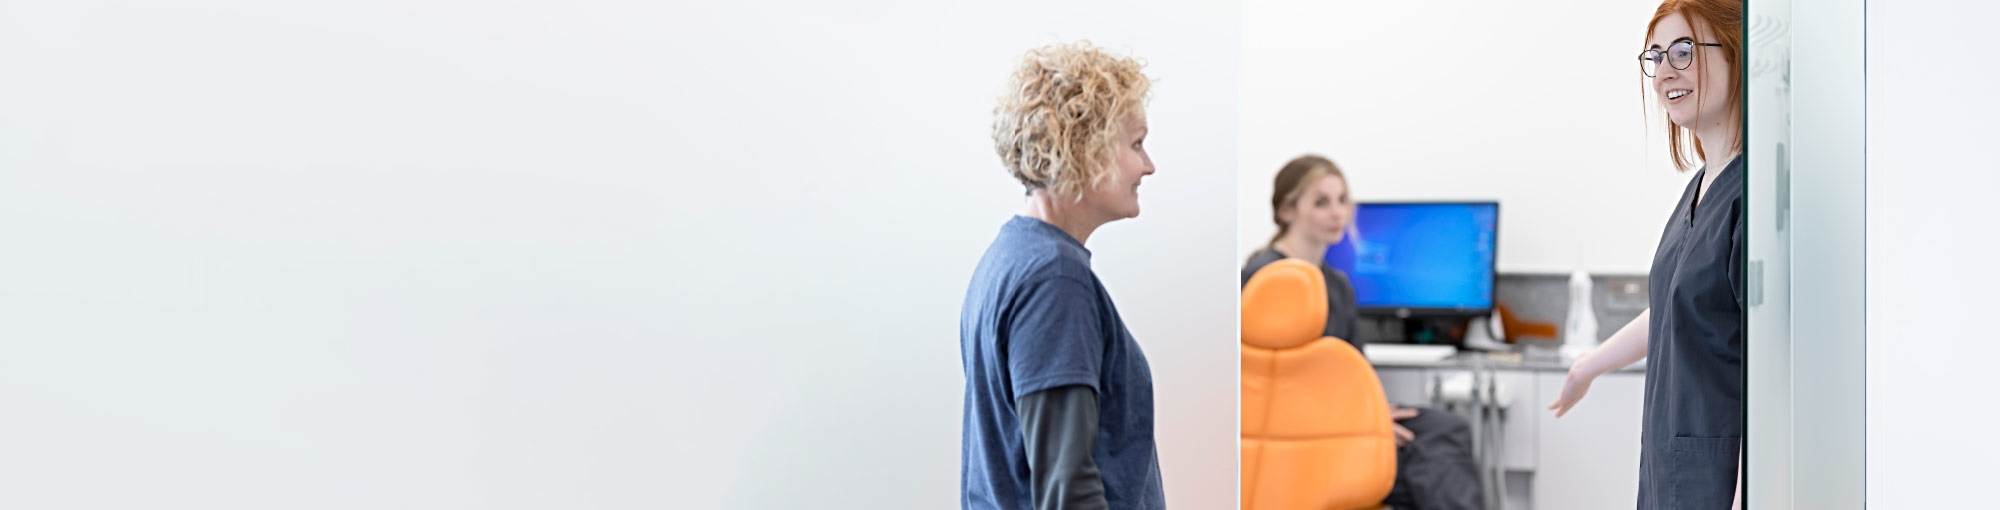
x=1058 y=395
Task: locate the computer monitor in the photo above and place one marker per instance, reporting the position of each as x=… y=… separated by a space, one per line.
x=1420 y=259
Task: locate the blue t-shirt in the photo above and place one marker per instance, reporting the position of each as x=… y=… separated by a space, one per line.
x=1036 y=318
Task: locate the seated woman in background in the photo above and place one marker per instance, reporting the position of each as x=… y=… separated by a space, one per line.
x=1309 y=202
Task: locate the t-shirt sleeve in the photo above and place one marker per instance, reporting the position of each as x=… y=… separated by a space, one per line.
x=1055 y=337
x=1059 y=429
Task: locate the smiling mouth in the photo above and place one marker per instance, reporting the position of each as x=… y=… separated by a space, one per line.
x=1677 y=94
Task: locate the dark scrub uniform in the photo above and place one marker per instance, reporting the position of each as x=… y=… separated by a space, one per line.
x=1693 y=430
x=1436 y=470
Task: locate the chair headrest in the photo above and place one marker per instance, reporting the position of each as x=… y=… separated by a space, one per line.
x=1284 y=305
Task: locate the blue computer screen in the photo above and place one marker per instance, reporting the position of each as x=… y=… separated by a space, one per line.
x=1420 y=255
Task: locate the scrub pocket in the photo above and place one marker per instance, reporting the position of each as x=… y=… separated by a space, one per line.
x=1703 y=472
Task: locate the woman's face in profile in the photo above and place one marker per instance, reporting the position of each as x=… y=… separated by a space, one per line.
x=1324 y=211
x=1687 y=93
x=1118 y=197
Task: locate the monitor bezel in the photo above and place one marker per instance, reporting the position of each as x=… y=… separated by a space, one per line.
x=1492 y=271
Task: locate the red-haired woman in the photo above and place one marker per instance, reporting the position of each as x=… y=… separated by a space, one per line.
x=1692 y=333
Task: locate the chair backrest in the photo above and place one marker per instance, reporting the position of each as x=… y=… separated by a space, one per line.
x=1316 y=426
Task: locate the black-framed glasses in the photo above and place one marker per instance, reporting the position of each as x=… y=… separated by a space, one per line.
x=1680 y=54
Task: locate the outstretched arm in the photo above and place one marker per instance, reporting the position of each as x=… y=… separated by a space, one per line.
x=1624 y=348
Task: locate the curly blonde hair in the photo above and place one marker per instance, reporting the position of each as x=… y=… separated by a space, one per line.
x=1057 y=124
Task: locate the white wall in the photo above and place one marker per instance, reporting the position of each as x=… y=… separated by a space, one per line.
x=601 y=254
x=1539 y=105
x=1931 y=275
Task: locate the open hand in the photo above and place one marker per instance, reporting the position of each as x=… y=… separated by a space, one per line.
x=1574 y=387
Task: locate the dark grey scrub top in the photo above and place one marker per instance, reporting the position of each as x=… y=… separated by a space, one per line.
x=1693 y=426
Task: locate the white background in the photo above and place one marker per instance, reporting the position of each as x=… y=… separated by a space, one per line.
x=1931 y=273
x=1539 y=105
x=598 y=254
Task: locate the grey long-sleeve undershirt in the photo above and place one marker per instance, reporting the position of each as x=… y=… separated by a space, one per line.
x=1059 y=427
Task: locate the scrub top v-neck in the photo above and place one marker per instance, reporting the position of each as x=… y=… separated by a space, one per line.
x=1693 y=428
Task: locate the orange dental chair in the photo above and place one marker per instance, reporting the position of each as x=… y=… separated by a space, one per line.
x=1316 y=427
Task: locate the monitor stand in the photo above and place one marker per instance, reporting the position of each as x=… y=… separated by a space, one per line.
x=1412 y=330
x=1482 y=334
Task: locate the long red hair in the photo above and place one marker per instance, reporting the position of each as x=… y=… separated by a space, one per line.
x=1724 y=19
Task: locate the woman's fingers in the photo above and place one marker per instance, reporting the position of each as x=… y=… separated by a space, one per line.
x=1572 y=392
x=1568 y=399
